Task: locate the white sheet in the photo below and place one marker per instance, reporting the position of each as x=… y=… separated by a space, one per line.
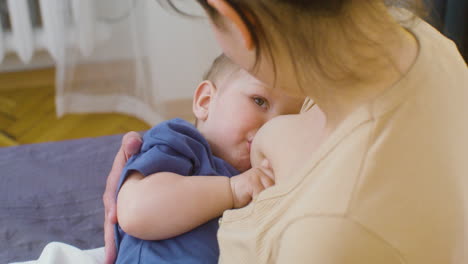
x=60 y=253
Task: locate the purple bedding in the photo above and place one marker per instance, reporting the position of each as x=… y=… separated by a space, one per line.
x=53 y=192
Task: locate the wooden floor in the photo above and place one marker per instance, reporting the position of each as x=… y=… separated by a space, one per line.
x=27 y=113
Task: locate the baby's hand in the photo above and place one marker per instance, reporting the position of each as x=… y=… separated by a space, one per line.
x=249 y=184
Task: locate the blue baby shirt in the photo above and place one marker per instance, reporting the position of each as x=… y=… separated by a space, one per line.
x=174 y=146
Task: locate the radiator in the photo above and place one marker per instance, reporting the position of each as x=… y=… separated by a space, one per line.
x=28 y=26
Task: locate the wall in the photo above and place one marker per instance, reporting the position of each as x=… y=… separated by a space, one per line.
x=181 y=49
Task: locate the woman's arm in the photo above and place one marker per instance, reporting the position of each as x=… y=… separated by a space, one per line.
x=131 y=144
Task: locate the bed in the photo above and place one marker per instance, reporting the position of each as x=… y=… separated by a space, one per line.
x=53 y=192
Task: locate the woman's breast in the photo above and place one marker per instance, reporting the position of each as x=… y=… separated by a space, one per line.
x=289 y=142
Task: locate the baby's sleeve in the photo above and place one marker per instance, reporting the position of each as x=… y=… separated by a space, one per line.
x=160 y=158
x=172 y=146
x=333 y=240
x=158 y=154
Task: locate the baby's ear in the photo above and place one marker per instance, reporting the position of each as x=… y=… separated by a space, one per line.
x=202 y=99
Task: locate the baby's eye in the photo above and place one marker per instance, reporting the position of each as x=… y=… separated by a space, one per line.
x=260 y=101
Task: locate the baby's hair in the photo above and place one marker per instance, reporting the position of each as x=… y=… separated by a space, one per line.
x=221 y=68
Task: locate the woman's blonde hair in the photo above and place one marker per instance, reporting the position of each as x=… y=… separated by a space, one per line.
x=307 y=30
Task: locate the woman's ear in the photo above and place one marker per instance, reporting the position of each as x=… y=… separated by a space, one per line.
x=227 y=11
x=202 y=99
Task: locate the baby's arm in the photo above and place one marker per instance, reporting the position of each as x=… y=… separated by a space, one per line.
x=164 y=205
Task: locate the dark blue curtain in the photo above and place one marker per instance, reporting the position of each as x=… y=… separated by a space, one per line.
x=451 y=18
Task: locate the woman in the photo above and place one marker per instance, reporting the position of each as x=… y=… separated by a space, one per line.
x=384 y=180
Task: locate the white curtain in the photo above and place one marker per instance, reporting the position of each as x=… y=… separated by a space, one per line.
x=132 y=57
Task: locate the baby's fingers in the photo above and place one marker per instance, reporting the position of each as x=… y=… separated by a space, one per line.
x=257 y=183
x=265 y=166
x=267 y=181
x=262 y=181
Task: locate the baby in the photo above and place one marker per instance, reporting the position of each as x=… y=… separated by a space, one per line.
x=166 y=216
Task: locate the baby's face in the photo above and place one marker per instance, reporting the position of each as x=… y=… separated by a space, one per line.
x=238 y=111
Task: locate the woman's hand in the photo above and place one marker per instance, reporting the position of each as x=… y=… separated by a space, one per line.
x=247 y=185
x=131 y=144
